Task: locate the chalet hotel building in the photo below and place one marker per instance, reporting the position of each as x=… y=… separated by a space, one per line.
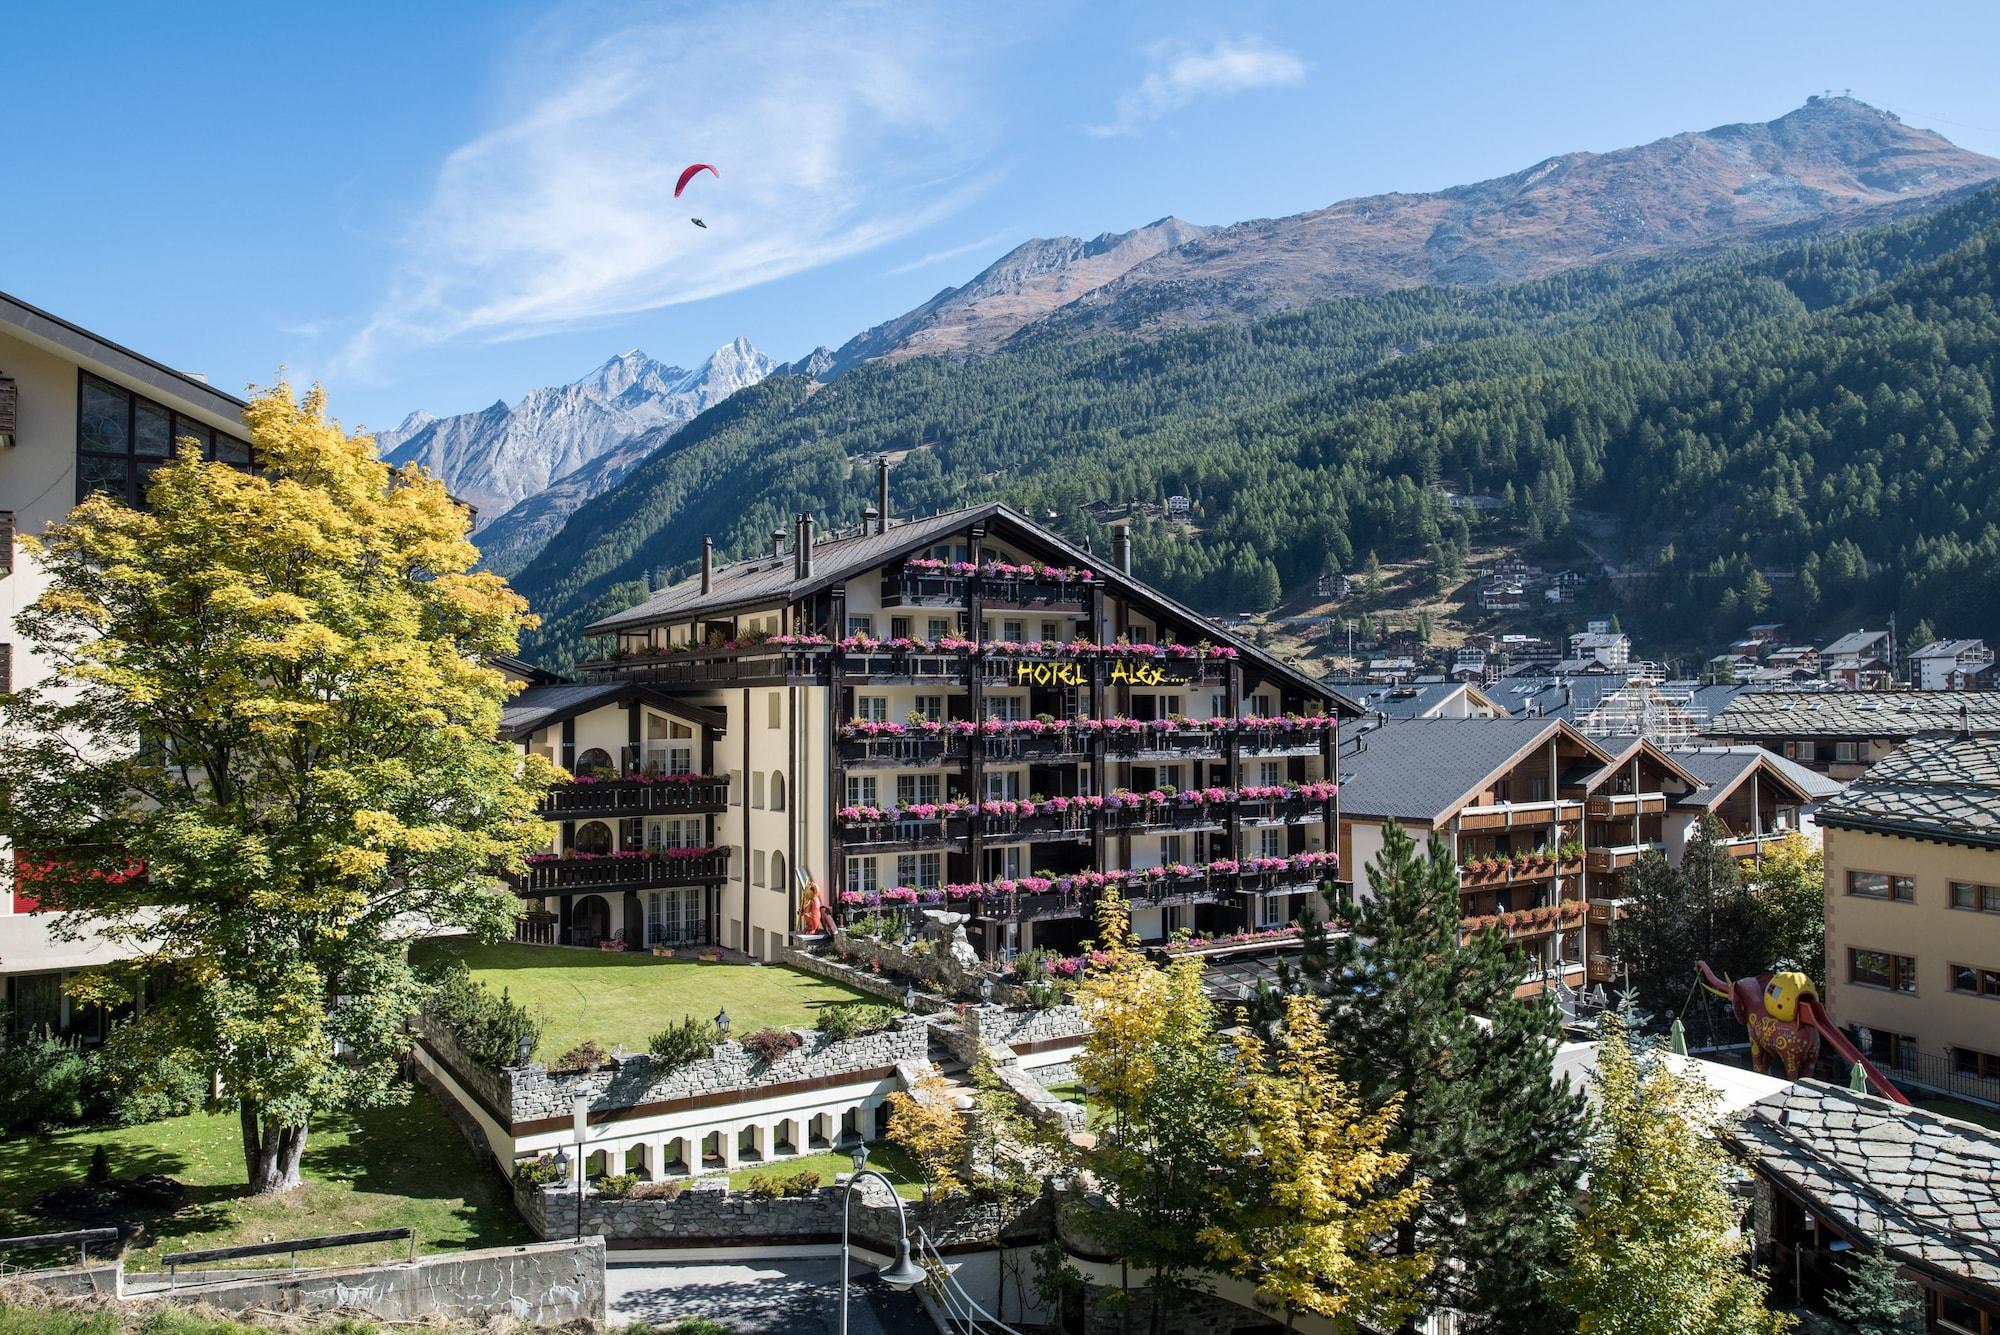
x=961 y=712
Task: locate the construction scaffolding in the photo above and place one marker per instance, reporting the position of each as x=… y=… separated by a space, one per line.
x=1645 y=707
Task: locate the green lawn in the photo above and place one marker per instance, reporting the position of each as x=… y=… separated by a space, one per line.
x=402 y=1165
x=888 y=1160
x=628 y=997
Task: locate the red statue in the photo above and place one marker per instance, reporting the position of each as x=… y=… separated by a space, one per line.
x=812 y=917
x=1778 y=1010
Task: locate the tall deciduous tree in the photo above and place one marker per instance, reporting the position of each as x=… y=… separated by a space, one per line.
x=1656 y=1250
x=1790 y=885
x=924 y=1121
x=268 y=752
x=1421 y=1017
x=1173 y=1115
x=1313 y=1205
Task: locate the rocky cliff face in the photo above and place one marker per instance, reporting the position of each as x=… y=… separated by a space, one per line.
x=498 y=457
x=1833 y=163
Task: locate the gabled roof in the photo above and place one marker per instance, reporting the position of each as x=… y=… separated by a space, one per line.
x=1940 y=788
x=1424 y=770
x=772 y=580
x=1949 y=649
x=1422 y=700
x=1928 y=1186
x=1721 y=770
x=1856 y=642
x=538 y=707
x=1634 y=747
x=526 y=671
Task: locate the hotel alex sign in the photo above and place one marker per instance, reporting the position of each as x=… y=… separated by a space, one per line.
x=1072 y=674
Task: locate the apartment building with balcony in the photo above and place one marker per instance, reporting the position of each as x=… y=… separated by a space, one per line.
x=78 y=413
x=1913 y=911
x=967 y=713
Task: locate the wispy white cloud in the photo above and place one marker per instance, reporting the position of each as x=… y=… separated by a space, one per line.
x=940 y=256
x=834 y=126
x=1179 y=75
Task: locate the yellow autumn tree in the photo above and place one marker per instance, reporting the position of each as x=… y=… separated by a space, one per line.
x=267 y=752
x=925 y=1122
x=1310 y=1207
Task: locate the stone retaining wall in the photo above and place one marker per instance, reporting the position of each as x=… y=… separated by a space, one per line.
x=1017 y=1027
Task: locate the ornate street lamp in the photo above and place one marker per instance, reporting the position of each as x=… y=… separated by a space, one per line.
x=901 y=1274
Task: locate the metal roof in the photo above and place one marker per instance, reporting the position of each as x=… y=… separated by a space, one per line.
x=538 y=706
x=1424 y=769
x=1928 y=1186
x=1949 y=649
x=1722 y=769
x=1942 y=787
x=1856 y=641
x=1857 y=714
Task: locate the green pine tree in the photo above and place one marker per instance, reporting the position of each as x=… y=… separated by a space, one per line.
x=1498 y=1141
x=1877 y=1299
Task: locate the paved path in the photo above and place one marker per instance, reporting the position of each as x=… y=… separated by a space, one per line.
x=785 y=1296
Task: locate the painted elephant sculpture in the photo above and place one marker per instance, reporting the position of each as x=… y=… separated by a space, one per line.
x=1768 y=1006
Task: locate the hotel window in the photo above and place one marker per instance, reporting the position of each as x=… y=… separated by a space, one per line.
x=1975 y=981
x=931 y=707
x=1003 y=785
x=899 y=628
x=1877 y=968
x=736 y=788
x=1270 y=843
x=1003 y=707
x=860 y=625
x=774 y=709
x=680 y=832
x=1218 y=706
x=939 y=628
x=777 y=790
x=1051 y=631
x=918 y=788
x=1262 y=707
x=1014 y=630
x=861 y=875
x=861 y=790
x=872 y=708
x=757 y=789
x=1270 y=772
x=121 y=438
x=1170 y=849
x=1271 y=910
x=1968 y=1061
x=1881 y=885
x=920 y=871
x=757 y=867
x=1976 y=898
x=1843 y=753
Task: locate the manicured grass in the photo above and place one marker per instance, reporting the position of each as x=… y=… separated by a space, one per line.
x=888 y=1160
x=402 y=1165
x=628 y=997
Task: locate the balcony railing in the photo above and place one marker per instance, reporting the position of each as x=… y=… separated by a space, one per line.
x=1610 y=806
x=1482 y=873
x=1604 y=912
x=634 y=796
x=934 y=589
x=1507 y=815
x=756 y=666
x=560 y=875
x=1750 y=845
x=911 y=751
x=1619 y=858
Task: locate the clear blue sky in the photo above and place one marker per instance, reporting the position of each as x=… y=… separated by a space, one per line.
x=435 y=206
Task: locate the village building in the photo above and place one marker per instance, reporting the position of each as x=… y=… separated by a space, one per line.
x=1864 y=660
x=1952 y=665
x=1913 y=912
x=78 y=414
x=1841 y=733
x=962 y=712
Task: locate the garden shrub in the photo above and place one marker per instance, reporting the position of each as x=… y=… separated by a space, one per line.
x=682 y=1043
x=764 y=1187
x=586 y=1056
x=617 y=1186
x=129 y=1081
x=852 y=1018
x=803 y=1184
x=41 y=1083
x=658 y=1191
x=539 y=1172
x=492 y=1030
x=770 y=1045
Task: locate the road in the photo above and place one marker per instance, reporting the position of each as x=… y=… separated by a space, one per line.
x=784 y=1296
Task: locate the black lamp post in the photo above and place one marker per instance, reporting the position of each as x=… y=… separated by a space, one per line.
x=901 y=1274
x=722 y=1023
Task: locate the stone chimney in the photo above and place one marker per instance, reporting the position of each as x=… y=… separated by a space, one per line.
x=802 y=548
x=882 y=495
x=777 y=542
x=1121 y=548
x=707 y=564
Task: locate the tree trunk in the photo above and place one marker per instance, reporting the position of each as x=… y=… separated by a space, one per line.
x=271 y=1150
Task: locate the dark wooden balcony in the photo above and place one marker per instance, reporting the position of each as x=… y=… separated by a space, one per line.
x=909 y=751
x=915 y=666
x=1164 y=743
x=636 y=795
x=757 y=666
x=1133 y=816
x=1036 y=748
x=620 y=871
x=1474 y=875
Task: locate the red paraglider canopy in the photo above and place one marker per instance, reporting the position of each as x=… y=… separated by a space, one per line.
x=688 y=175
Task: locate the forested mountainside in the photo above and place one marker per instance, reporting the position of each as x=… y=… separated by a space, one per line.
x=1820 y=412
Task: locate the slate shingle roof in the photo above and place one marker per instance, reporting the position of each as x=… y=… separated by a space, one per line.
x=1945 y=787
x=1419 y=769
x=1857 y=714
x=1929 y=1186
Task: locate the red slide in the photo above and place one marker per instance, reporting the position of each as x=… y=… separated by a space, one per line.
x=1810 y=1012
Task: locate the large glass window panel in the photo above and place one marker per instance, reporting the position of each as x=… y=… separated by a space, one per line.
x=100 y=474
x=103 y=427
x=187 y=426
x=150 y=431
